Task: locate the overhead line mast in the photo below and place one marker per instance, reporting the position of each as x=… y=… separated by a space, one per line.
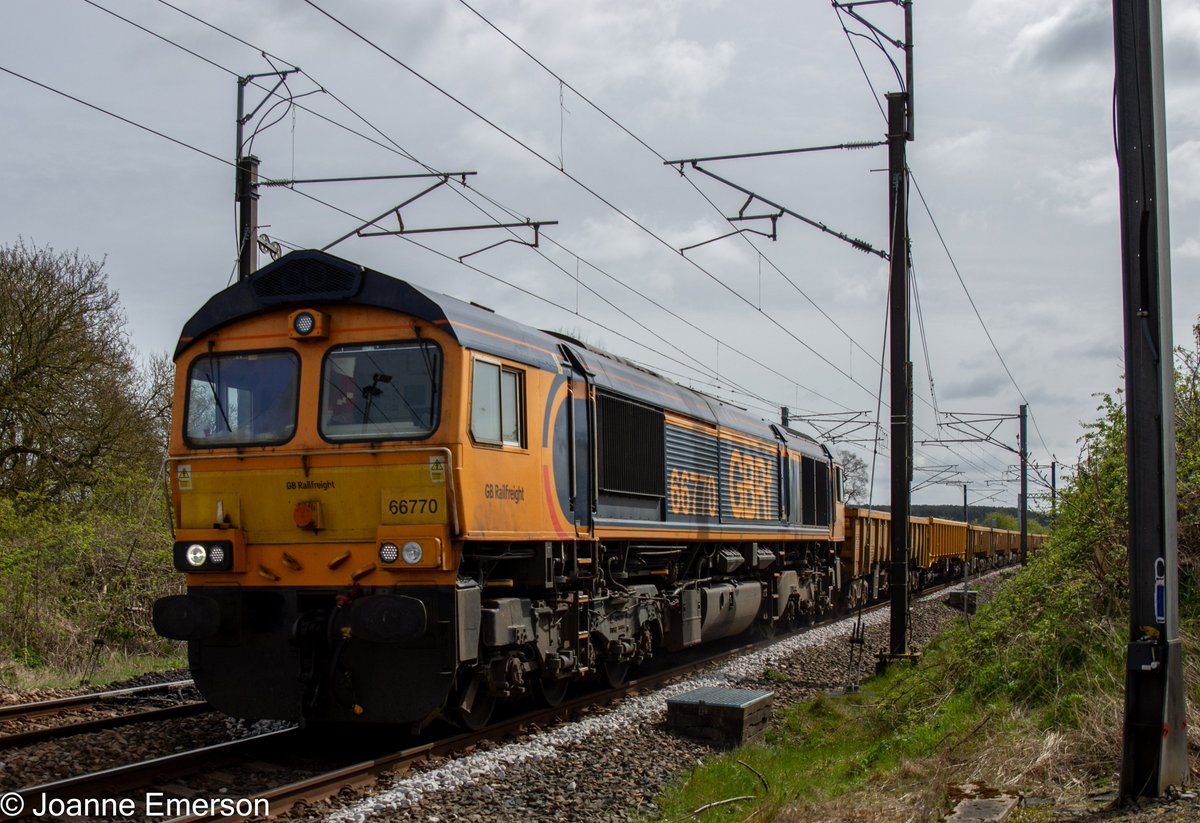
x=247 y=174
x=1155 y=745
x=900 y=130
x=901 y=373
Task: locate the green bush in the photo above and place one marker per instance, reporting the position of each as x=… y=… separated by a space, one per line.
x=72 y=574
x=84 y=529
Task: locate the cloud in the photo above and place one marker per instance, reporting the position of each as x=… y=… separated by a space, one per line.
x=1189 y=249
x=687 y=71
x=1075 y=34
x=1085 y=190
x=1183 y=162
x=966 y=151
x=1181 y=40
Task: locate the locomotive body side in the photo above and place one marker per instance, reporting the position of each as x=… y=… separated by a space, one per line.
x=391 y=504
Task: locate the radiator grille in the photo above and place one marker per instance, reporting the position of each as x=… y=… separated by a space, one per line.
x=306 y=280
x=631 y=447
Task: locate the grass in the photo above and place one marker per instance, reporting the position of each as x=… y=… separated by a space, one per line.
x=113 y=666
x=825 y=749
x=1029 y=698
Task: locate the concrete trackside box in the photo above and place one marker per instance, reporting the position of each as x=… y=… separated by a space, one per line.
x=724 y=717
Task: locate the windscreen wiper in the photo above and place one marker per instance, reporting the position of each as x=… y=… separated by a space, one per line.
x=217 y=399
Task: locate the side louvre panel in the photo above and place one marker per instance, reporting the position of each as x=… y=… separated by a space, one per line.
x=693 y=476
x=749 y=483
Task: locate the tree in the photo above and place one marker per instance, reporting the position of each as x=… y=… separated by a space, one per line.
x=1002 y=520
x=855 y=478
x=84 y=543
x=75 y=404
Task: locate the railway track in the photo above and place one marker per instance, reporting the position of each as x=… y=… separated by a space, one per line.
x=18 y=711
x=143 y=782
x=182 y=781
x=88 y=704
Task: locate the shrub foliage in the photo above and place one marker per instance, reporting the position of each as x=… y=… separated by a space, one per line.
x=84 y=528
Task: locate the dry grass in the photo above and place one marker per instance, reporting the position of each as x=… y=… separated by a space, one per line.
x=113 y=666
x=1066 y=766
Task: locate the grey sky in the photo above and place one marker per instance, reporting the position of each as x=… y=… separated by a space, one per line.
x=1014 y=154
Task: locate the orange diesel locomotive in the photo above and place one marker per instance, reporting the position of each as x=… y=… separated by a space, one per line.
x=392 y=505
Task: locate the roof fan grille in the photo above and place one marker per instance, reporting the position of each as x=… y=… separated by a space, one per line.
x=307 y=280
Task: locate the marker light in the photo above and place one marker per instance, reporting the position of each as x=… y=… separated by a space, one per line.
x=196 y=555
x=412 y=552
x=307 y=324
x=388 y=553
x=216 y=555
x=304 y=323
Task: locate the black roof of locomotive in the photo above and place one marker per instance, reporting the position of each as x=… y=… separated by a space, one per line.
x=309 y=278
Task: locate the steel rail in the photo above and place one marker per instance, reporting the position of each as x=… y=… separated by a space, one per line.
x=41 y=707
x=110 y=782
x=26 y=738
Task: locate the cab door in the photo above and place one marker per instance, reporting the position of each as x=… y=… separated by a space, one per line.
x=581 y=448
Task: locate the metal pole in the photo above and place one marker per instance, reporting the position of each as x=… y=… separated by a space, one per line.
x=247 y=198
x=901 y=430
x=911 y=126
x=246 y=194
x=966 y=558
x=1053 y=490
x=1024 y=510
x=1154 y=754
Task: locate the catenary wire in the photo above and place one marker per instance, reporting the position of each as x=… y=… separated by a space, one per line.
x=400 y=150
x=326 y=204
x=591 y=191
x=563 y=82
x=125 y=120
x=875 y=98
x=537 y=154
x=975 y=309
x=214 y=157
x=636 y=138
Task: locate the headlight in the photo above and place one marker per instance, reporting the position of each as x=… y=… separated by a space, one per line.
x=209 y=556
x=304 y=323
x=388 y=552
x=412 y=552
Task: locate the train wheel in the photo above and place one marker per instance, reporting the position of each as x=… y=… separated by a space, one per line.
x=552 y=690
x=614 y=673
x=476 y=706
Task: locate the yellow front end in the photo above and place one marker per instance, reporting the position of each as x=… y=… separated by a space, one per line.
x=316 y=516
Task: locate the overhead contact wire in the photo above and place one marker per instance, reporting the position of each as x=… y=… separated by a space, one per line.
x=700 y=367
x=582 y=185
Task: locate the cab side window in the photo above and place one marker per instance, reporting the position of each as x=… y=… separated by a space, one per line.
x=497 y=404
